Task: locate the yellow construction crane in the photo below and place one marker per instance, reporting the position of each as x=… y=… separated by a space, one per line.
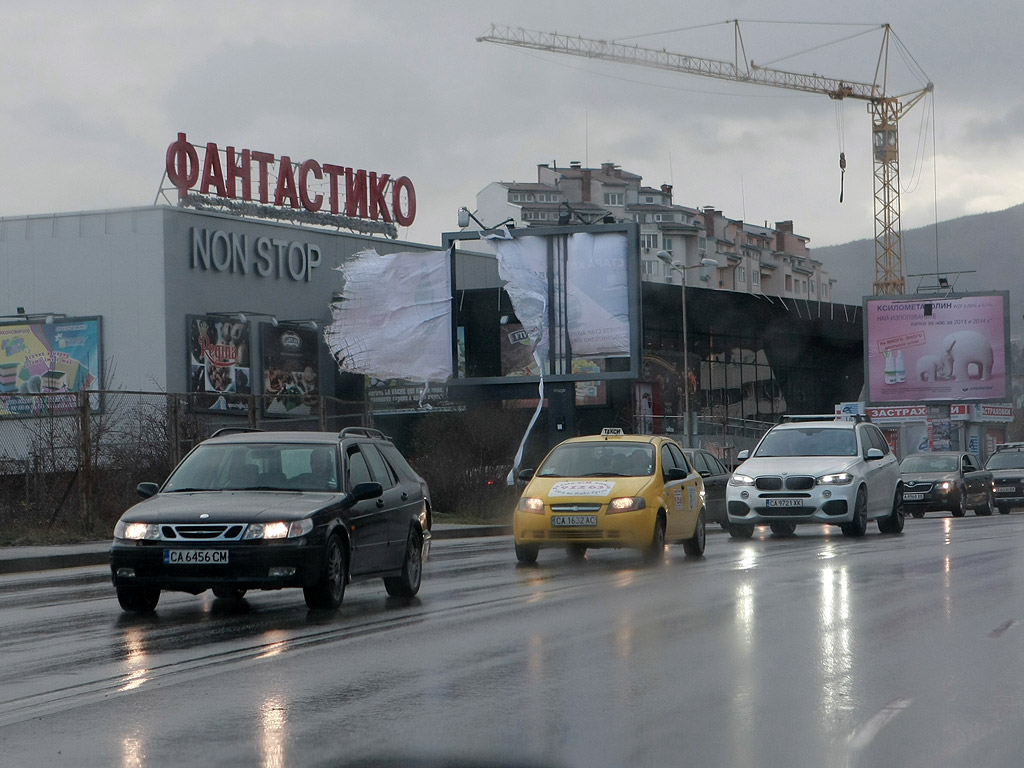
x=885 y=110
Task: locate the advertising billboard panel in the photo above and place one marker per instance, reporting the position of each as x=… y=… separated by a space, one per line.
x=219 y=366
x=942 y=349
x=291 y=372
x=47 y=358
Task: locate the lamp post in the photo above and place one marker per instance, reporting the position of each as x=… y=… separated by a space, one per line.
x=681 y=268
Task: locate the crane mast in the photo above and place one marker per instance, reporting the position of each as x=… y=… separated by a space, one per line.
x=885 y=111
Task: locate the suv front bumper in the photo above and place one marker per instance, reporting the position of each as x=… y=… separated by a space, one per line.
x=830 y=505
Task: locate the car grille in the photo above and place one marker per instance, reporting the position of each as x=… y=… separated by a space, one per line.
x=573 y=508
x=791 y=483
x=204 y=532
x=570 y=535
x=917 y=487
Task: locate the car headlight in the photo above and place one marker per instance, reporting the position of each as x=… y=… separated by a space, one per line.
x=945 y=486
x=531 y=504
x=136 y=531
x=836 y=478
x=741 y=480
x=278 y=530
x=626 y=504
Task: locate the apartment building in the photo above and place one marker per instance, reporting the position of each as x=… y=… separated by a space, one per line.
x=751 y=258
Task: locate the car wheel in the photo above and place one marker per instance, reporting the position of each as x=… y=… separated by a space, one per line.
x=894 y=522
x=329 y=591
x=859 y=525
x=740 y=531
x=918 y=513
x=526 y=553
x=226 y=592
x=985 y=509
x=782 y=528
x=961 y=504
x=1003 y=510
x=656 y=549
x=138 y=599
x=694 y=546
x=408 y=584
x=576 y=552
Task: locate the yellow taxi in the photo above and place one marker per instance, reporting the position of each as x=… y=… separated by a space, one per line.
x=611 y=490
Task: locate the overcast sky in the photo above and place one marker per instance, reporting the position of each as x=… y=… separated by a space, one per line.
x=93 y=93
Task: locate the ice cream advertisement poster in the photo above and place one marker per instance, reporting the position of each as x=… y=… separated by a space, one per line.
x=937 y=349
x=47 y=359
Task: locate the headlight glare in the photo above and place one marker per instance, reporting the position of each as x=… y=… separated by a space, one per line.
x=626 y=504
x=836 y=478
x=741 y=480
x=136 y=531
x=531 y=504
x=278 y=529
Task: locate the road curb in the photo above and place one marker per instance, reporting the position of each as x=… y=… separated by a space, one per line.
x=24 y=560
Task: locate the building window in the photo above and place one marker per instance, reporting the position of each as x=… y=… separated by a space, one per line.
x=666 y=243
x=755 y=276
x=741 y=274
x=649 y=241
x=613 y=198
x=814 y=289
x=648 y=199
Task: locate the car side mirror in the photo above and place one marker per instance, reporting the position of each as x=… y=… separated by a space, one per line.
x=743 y=455
x=363 y=491
x=676 y=473
x=147 y=490
x=704 y=473
x=525 y=475
x=874 y=454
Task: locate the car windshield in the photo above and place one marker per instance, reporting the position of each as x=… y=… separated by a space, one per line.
x=929 y=464
x=808 y=441
x=257 y=466
x=1006 y=460
x=599 y=459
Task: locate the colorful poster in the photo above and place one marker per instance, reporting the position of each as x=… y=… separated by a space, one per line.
x=291 y=378
x=951 y=349
x=47 y=358
x=219 y=363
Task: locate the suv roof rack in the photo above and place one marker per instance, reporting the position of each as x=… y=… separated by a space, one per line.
x=363 y=432
x=234 y=430
x=1001 y=446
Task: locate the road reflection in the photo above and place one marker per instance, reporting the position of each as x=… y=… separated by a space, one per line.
x=135 y=659
x=273 y=725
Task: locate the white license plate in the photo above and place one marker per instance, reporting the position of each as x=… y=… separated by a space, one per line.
x=573 y=521
x=195 y=556
x=1006 y=490
x=913 y=496
x=783 y=502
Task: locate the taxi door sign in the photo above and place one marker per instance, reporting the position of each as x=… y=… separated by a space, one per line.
x=679 y=499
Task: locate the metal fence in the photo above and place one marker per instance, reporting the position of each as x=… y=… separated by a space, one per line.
x=73 y=460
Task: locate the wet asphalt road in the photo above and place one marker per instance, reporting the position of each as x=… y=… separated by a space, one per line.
x=810 y=651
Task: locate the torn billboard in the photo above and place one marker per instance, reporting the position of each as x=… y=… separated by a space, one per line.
x=392 y=319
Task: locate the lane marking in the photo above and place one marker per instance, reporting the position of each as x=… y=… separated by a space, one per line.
x=866 y=732
x=1002 y=628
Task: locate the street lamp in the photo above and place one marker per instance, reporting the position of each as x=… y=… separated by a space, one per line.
x=681 y=268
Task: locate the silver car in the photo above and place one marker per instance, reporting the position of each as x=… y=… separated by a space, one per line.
x=828 y=472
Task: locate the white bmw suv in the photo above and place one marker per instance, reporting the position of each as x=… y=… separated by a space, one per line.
x=827 y=472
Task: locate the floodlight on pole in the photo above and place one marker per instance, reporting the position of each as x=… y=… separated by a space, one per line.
x=681 y=268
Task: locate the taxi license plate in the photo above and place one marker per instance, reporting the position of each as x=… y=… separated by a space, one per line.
x=913 y=496
x=195 y=556
x=783 y=502
x=573 y=521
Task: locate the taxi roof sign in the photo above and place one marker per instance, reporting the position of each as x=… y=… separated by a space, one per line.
x=612 y=432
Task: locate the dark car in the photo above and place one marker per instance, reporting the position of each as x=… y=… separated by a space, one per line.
x=267 y=510
x=716 y=478
x=1007 y=468
x=945 y=480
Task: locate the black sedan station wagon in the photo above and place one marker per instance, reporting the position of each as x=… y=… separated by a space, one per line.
x=247 y=510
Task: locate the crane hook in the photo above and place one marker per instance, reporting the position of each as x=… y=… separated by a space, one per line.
x=842 y=173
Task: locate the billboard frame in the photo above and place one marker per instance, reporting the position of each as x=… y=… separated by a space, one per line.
x=926 y=304
x=630 y=231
